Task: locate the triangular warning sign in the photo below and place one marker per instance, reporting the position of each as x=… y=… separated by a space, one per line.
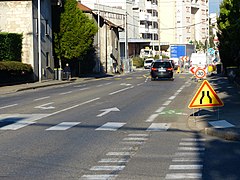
x=205 y=97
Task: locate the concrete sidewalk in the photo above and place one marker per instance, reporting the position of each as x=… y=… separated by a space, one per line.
x=223 y=122
x=47 y=83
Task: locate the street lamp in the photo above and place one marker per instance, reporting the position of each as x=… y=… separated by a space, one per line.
x=39 y=43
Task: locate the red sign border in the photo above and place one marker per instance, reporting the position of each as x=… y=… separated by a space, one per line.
x=205 y=74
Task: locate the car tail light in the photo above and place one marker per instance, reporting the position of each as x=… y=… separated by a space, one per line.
x=154 y=69
x=169 y=69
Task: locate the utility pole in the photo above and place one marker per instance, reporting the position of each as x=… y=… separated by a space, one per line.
x=126 y=37
x=159 y=31
x=98 y=38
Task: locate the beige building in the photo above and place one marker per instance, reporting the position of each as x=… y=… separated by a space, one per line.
x=183 y=21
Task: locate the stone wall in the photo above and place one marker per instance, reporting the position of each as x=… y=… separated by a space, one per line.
x=16 y=17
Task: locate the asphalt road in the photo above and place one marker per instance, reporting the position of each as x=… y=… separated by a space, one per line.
x=125 y=127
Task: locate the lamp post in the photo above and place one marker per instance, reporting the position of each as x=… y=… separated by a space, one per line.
x=39 y=43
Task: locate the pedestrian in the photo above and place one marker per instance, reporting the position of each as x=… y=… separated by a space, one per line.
x=67 y=71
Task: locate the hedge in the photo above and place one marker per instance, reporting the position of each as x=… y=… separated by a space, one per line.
x=12 y=72
x=10 y=46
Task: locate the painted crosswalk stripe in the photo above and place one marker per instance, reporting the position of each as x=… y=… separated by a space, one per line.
x=135 y=139
x=186 y=160
x=190 y=144
x=17 y=125
x=190 y=149
x=107 y=168
x=119 y=153
x=193 y=139
x=139 y=135
x=110 y=126
x=175 y=167
x=63 y=126
x=99 y=177
x=184 y=176
x=113 y=160
x=158 y=127
x=17 y=121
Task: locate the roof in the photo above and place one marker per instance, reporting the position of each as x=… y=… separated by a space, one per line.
x=83 y=7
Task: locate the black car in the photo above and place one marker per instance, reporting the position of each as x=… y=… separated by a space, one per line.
x=161 y=69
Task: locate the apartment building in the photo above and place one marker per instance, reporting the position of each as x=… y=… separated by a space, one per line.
x=183 y=21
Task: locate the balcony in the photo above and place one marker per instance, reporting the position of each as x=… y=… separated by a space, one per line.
x=150 y=5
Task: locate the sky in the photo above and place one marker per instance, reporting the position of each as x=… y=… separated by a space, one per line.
x=214 y=6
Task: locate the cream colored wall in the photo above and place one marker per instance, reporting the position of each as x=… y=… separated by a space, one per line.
x=16 y=17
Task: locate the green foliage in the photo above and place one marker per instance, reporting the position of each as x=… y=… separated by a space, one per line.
x=229 y=28
x=76 y=32
x=12 y=72
x=138 y=62
x=15 y=66
x=10 y=46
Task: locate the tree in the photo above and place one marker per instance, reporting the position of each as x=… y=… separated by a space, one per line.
x=76 y=33
x=228 y=35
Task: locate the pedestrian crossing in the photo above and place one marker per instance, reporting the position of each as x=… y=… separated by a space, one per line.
x=188 y=160
x=10 y=123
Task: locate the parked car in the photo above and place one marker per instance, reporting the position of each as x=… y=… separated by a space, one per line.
x=161 y=69
x=148 y=63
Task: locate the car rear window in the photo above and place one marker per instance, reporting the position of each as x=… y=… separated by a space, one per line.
x=148 y=61
x=162 y=64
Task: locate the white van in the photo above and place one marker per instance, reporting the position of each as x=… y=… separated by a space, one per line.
x=148 y=62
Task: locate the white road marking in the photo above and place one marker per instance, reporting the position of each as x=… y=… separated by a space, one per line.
x=45 y=106
x=139 y=84
x=63 y=126
x=99 y=177
x=158 y=127
x=19 y=120
x=152 y=118
x=193 y=139
x=72 y=107
x=113 y=160
x=139 y=135
x=190 y=144
x=135 y=139
x=190 y=149
x=124 y=89
x=167 y=103
x=110 y=126
x=185 y=167
x=188 y=154
x=179 y=90
x=184 y=176
x=172 y=97
x=82 y=85
x=186 y=160
x=38 y=99
x=82 y=89
x=133 y=142
x=119 y=153
x=65 y=93
x=221 y=124
x=107 y=168
x=106 y=111
x=11 y=105
x=160 y=109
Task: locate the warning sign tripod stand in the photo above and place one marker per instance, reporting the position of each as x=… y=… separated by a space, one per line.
x=205 y=97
